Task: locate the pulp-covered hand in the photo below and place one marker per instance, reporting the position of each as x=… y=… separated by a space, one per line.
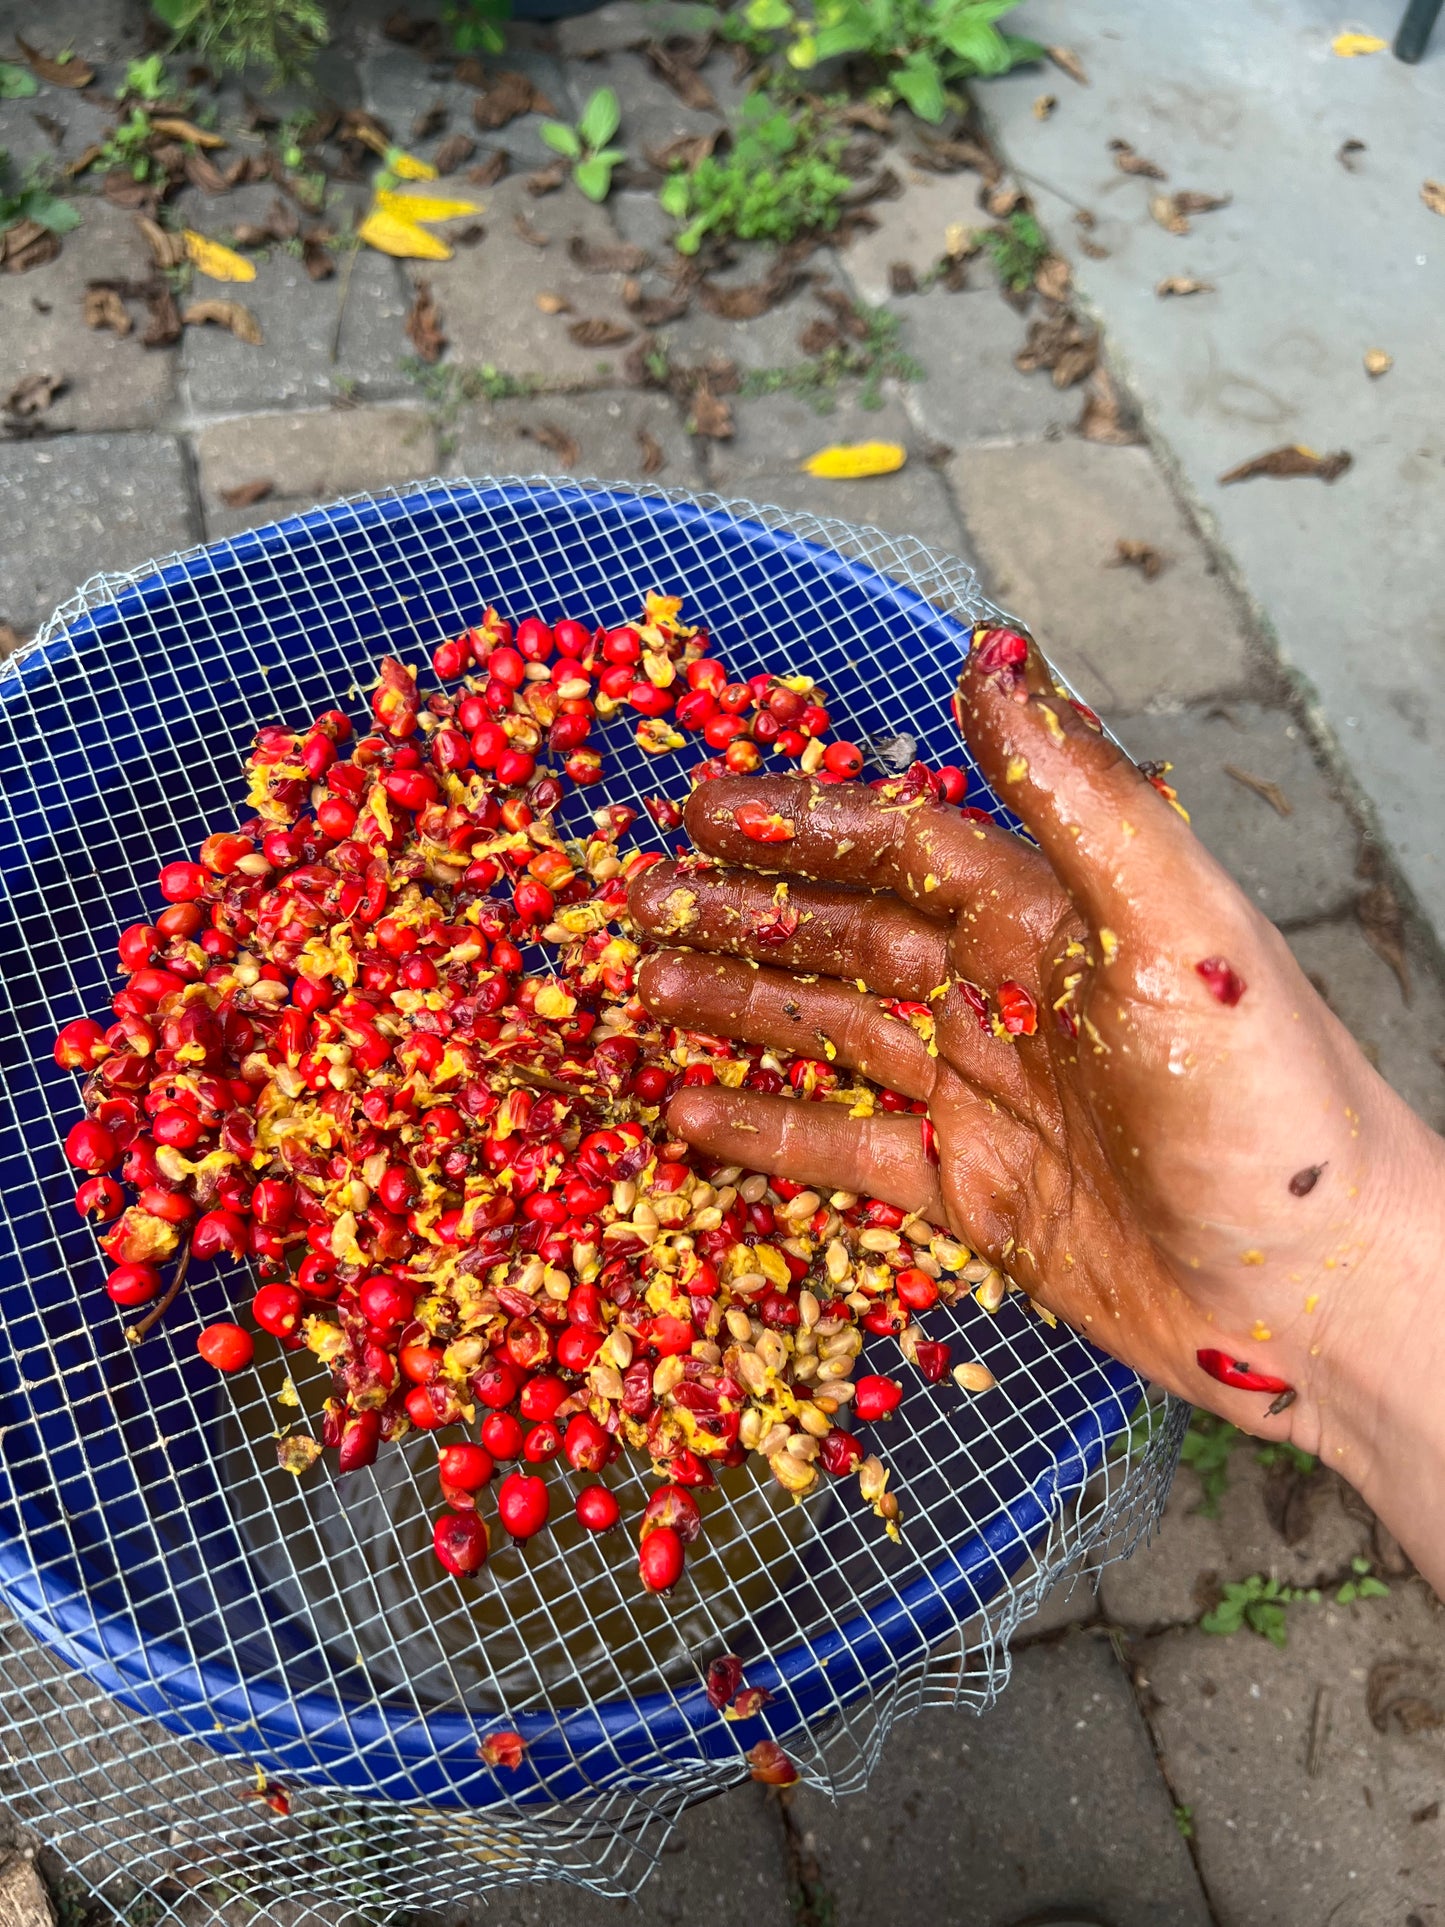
x=1140 y=1109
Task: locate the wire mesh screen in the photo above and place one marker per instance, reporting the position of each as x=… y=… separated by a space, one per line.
x=191 y=1624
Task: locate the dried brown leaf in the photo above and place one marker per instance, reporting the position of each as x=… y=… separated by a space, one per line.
x=1003 y=199
x=470 y=71
x=1263 y=786
x=455 y=151
x=105 y=309
x=650 y=449
x=233 y=316
x=27 y=245
x=623 y=257
x=1166 y=212
x=1128 y=162
x=31 y=396
x=1052 y=278
x=550 y=303
x=533 y=236
x=752 y=298
x=901 y=278
x=1092 y=249
x=1404 y=1690
x=1068 y=62
x=938 y=154
x=122 y=189
x=431 y=120
x=508 y=95
x=175 y=128
x=596 y=331
x=1062 y=344
x=1102 y=419
x=317 y=259
x=493 y=169
x=165 y=319
x=1432 y=193
x=684 y=150
x=74 y=72
x=818 y=337
x=168 y=250
x=424 y=324
x=1183 y=284
x=246 y=495
x=866 y=113
x=549 y=436
x=1172 y=211
x=1190 y=201
x=546 y=180
x=1044 y=105
x=1345 y=154
x=677 y=62
x=1292 y=459
x=1383 y=923
x=655 y=310
x=1137 y=555
x=712 y=417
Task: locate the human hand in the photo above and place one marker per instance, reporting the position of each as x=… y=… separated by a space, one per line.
x=1183 y=1152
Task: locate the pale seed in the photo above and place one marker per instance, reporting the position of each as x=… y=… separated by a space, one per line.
x=974 y=1377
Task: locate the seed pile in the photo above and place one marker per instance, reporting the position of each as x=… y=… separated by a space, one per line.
x=451 y=1170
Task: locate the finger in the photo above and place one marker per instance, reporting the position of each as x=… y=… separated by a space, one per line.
x=1108 y=833
x=927 y=853
x=817 y=1144
x=773 y=1008
x=807 y=926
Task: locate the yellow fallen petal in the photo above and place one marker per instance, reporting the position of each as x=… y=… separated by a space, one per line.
x=848 y=461
x=219 y=263
x=423 y=207
x=1347 y=45
x=392 y=235
x=408 y=166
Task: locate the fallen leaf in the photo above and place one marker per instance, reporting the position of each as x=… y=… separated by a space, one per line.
x=493 y=169
x=230 y=315
x=122 y=189
x=1403 y=1690
x=1183 y=284
x=33 y=395
x=424 y=325
x=1102 y=419
x=595 y=331
x=621 y=258
x=679 y=70
x=901 y=278
x=854 y=461
x=216 y=262
x=185 y=130
x=1383 y=923
x=1189 y=201
x=939 y=154
x=1092 y=249
x=1432 y=193
x=1002 y=200
x=245 y=495
x=753 y=298
x=1044 y=105
x=455 y=151
x=1052 y=278
x=561 y=444
x=1378 y=362
x=655 y=310
x=1345 y=154
x=404 y=240
x=1171 y=211
x=165 y=319
x=1128 y=162
x=551 y=303
x=508 y=95
x=819 y=336
x=1137 y=555
x=316 y=259
x=712 y=416
x=27 y=245
x=425 y=207
x=534 y=237
x=431 y=120
x=1291 y=459
x=424 y=35
x=168 y=249
x=1262 y=786
x=683 y=150
x=105 y=309
x=653 y=460
x=1063 y=345
x=1068 y=62
x=57 y=73
x=546 y=180
x=1349 y=46
x=408 y=167
x=867 y=113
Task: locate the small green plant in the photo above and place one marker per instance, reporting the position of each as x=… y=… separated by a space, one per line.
x=1364 y=1585
x=128 y=145
x=1283 y=1453
x=146 y=80
x=283 y=35
x=1018 y=249
x=33 y=200
x=16 y=83
x=586 y=144
x=475 y=26
x=1184 y=1820
x=922 y=48
x=1259 y=1604
x=870 y=361
x=779 y=180
x=1208 y=1445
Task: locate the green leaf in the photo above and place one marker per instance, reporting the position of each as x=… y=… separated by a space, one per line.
x=919 y=84
x=1022 y=50
x=601 y=118
x=769 y=16
x=1269 y=1620
x=39 y=204
x=1346 y=1593
x=16 y=83
x=561 y=138
x=1373 y=1588
x=178 y=15
x=978 y=45
x=1227 y=1617
x=675 y=197
x=690 y=240
x=594 y=176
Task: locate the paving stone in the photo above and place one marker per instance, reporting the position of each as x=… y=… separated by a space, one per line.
x=84 y=116
x=967 y=343
x=1050 y=1800
x=399 y=87
x=912 y=229
x=112 y=381
x=652 y=114
x=727 y=1860
x=1045 y=520
x=311 y=457
x=1361 y=1842
x=294 y=365
x=913 y=502
x=488 y=293
x=1173 y=1578
x=490 y=438
x=1406 y=1044
x=79 y=504
x=627 y=23
x=1296 y=868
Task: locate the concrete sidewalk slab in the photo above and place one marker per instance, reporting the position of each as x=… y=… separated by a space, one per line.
x=309 y=457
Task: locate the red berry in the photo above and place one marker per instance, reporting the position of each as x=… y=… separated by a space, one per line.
x=81 y=1045
x=181 y=882
x=277 y=1309
x=875 y=1397
x=450 y=659
x=597 y=1510
x=522 y=1504
x=534 y=639
x=468 y=1467
x=219 y=1234
x=515 y=766
x=543 y=1442
x=100 y=1198
x=461 y=1541
x=502 y=1433
x=133 y=1284
x=843 y=759
x=671 y=1509
x=384 y=1303
x=661 y=1559
x=541 y=1396
x=177 y=1128
x=916 y=1289
x=840 y=1452
x=533 y=901
x=90 y=1147
x=586 y=1444
x=507 y=667
x=226 y=1347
